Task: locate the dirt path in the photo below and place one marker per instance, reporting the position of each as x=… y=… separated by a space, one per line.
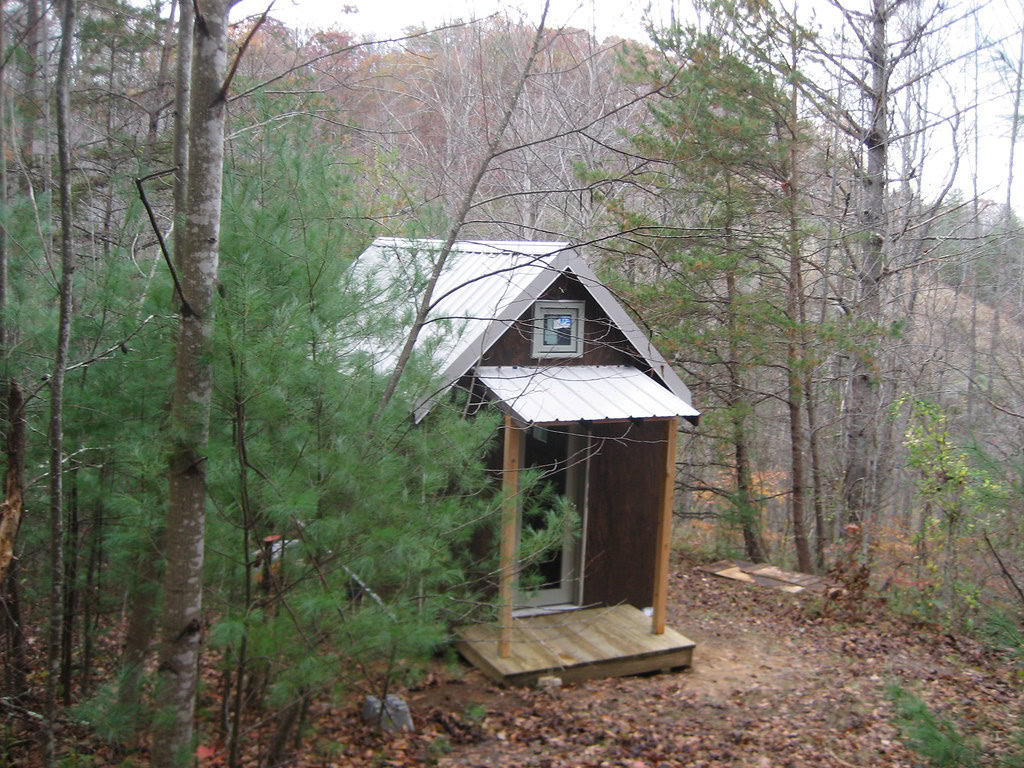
x=774 y=684
x=768 y=688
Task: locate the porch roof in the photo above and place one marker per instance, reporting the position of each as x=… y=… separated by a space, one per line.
x=572 y=393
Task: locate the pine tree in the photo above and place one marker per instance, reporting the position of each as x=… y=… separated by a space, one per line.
x=344 y=552
x=705 y=247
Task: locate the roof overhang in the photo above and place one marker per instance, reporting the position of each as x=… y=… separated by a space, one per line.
x=560 y=394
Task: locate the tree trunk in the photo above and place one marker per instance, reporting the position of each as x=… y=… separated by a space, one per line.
x=1008 y=233
x=858 y=482
x=181 y=623
x=14 y=479
x=970 y=275
x=70 y=600
x=820 y=534
x=4 y=340
x=56 y=428
x=182 y=92
x=748 y=511
x=750 y=518
x=749 y=514
x=144 y=596
x=14 y=482
x=92 y=587
x=248 y=521
x=34 y=22
x=794 y=299
x=159 y=90
x=287 y=719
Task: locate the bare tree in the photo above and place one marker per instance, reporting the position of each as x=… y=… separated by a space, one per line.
x=465 y=204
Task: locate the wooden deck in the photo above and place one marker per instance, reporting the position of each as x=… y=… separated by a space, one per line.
x=575 y=645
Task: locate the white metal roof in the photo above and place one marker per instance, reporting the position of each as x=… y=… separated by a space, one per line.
x=570 y=393
x=485 y=286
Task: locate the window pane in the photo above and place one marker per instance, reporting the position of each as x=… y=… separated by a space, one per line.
x=558 y=330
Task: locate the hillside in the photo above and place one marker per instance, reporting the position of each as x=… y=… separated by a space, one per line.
x=770 y=686
x=774 y=685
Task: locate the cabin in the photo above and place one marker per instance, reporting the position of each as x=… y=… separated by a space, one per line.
x=529 y=329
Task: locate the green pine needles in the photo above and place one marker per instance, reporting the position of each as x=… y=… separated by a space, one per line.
x=934 y=737
x=941 y=741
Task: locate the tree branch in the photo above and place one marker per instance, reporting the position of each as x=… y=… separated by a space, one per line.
x=186 y=309
x=1002 y=565
x=223 y=92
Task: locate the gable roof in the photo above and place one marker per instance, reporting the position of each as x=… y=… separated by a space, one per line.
x=487 y=285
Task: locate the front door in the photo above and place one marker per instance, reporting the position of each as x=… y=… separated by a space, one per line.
x=551 y=512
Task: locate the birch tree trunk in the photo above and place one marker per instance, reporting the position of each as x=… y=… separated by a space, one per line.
x=181 y=623
x=56 y=428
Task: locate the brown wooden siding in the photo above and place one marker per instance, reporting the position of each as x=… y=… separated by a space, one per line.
x=603 y=342
x=624 y=505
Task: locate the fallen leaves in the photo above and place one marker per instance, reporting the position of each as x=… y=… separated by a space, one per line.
x=770 y=688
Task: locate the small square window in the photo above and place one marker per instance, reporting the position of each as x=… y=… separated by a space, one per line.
x=558 y=329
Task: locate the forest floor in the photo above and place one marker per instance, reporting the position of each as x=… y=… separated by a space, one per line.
x=774 y=684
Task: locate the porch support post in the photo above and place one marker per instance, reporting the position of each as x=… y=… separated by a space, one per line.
x=664 y=530
x=509 y=505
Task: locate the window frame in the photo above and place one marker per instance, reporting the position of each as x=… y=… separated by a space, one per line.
x=541 y=308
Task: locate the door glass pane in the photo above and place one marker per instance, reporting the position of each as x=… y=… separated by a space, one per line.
x=546 y=452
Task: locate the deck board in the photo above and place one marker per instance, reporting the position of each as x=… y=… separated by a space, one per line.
x=575 y=645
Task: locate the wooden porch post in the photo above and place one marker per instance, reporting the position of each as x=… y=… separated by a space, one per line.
x=664 y=530
x=509 y=504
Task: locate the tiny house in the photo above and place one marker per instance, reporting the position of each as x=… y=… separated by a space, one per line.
x=529 y=329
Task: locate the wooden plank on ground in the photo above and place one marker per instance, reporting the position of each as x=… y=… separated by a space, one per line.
x=736 y=575
x=807 y=580
x=766 y=576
